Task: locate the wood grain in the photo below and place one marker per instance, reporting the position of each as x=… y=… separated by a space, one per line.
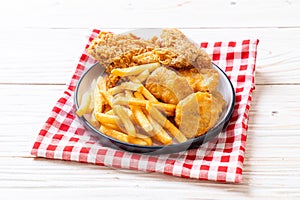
x=151 y=13
x=41 y=42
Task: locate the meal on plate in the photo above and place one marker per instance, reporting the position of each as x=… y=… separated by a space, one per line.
x=155 y=92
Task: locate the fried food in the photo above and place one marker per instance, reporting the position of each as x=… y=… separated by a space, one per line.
x=107 y=46
x=164 y=122
x=166 y=85
x=162 y=55
x=218 y=104
x=193 y=114
x=187 y=51
x=204 y=80
x=163 y=90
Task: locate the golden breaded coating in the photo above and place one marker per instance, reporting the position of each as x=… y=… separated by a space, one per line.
x=122 y=61
x=204 y=80
x=193 y=114
x=162 y=55
x=108 y=46
x=183 y=76
x=188 y=52
x=218 y=103
x=166 y=85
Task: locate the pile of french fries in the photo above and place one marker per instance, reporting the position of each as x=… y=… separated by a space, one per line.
x=129 y=112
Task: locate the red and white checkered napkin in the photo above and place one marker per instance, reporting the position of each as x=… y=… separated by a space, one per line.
x=63 y=136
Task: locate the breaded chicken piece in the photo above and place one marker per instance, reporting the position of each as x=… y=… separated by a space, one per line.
x=204 y=80
x=107 y=46
x=188 y=52
x=166 y=85
x=193 y=114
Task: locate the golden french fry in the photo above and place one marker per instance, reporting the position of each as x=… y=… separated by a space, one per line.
x=114 y=127
x=135 y=70
x=169 y=109
x=141 y=77
x=148 y=140
x=125 y=119
x=114 y=134
x=158 y=105
x=101 y=83
x=140 y=138
x=141 y=118
x=120 y=101
x=108 y=98
x=163 y=121
x=147 y=94
x=128 y=93
x=159 y=133
x=138 y=95
x=124 y=137
x=91 y=90
x=84 y=104
x=107 y=118
x=98 y=101
x=93 y=120
x=124 y=86
x=138 y=141
x=109 y=112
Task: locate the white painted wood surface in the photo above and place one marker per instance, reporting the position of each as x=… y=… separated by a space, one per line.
x=41 y=42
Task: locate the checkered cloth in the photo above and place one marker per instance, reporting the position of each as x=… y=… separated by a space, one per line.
x=64 y=137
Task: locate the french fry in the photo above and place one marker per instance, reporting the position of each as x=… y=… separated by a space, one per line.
x=108 y=98
x=124 y=118
x=114 y=134
x=159 y=133
x=137 y=141
x=135 y=70
x=146 y=141
x=124 y=86
x=128 y=93
x=163 y=121
x=93 y=120
x=101 y=83
x=114 y=127
x=84 y=104
x=159 y=105
x=105 y=118
x=147 y=94
x=91 y=90
x=141 y=77
x=124 y=137
x=169 y=109
x=121 y=101
x=98 y=101
x=141 y=118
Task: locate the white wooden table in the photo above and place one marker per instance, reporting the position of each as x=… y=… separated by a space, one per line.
x=41 y=42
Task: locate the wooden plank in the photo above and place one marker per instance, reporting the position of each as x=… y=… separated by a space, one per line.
x=48 y=178
x=50 y=55
x=150 y=13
